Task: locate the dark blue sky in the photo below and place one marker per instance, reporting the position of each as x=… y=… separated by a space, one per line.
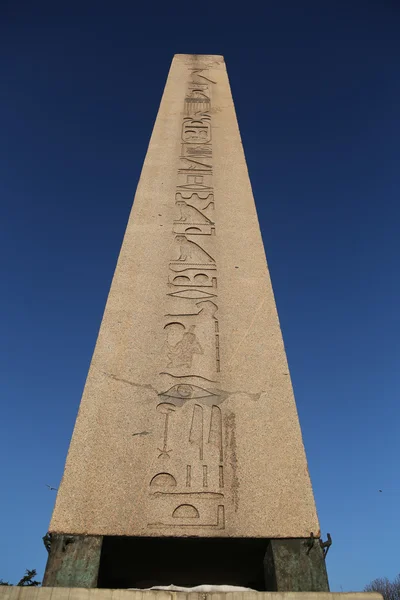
x=317 y=92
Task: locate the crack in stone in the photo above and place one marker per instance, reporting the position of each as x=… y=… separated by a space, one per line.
x=253 y=396
x=146 y=386
x=225 y=394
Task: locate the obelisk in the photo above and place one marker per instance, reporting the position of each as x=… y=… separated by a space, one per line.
x=187 y=426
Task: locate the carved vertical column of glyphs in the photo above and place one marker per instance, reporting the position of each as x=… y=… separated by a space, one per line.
x=187 y=488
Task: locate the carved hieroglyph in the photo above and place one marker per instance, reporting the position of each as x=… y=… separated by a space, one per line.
x=188 y=424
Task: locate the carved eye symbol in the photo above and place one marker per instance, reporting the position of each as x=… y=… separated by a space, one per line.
x=184 y=391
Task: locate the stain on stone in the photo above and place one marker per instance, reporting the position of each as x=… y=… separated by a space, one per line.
x=230 y=453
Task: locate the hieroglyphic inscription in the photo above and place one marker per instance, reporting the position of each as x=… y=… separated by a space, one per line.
x=191 y=494
x=166 y=408
x=196 y=435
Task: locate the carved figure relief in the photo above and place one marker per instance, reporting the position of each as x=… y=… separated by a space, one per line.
x=190 y=214
x=205 y=317
x=192 y=253
x=180 y=353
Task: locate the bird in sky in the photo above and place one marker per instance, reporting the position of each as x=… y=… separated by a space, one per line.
x=51 y=488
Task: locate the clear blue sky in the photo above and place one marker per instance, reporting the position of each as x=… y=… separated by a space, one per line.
x=317 y=92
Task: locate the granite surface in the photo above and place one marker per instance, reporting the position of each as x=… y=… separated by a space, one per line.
x=59 y=593
x=188 y=424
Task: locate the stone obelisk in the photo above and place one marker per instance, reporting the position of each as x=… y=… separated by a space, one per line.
x=187 y=426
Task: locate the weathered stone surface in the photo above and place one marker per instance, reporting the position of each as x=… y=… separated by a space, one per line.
x=73 y=561
x=49 y=593
x=295 y=565
x=188 y=425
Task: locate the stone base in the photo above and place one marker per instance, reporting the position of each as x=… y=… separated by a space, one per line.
x=295 y=565
x=56 y=593
x=74 y=561
x=281 y=565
